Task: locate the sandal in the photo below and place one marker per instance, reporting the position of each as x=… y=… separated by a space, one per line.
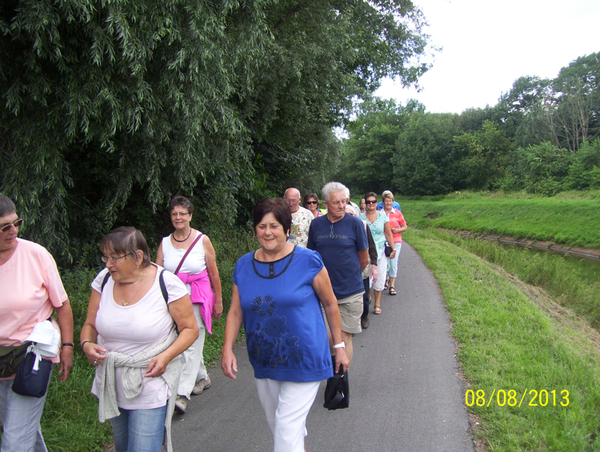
x=385 y=286
x=377 y=310
x=392 y=291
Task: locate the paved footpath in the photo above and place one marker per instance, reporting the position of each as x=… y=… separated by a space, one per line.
x=405 y=392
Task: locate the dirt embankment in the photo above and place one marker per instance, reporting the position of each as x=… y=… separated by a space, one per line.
x=550 y=246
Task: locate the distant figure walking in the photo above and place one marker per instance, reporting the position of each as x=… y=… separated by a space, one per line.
x=397 y=226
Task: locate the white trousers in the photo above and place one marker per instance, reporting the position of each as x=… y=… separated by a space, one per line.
x=381 y=267
x=286 y=405
x=20 y=418
x=193 y=369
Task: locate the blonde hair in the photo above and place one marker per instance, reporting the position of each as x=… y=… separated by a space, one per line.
x=387 y=194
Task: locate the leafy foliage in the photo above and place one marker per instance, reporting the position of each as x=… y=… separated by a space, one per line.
x=110 y=108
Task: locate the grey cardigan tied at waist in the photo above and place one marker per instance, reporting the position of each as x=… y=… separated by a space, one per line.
x=133 y=380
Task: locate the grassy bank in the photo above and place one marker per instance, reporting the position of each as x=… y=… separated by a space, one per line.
x=514 y=337
x=570 y=219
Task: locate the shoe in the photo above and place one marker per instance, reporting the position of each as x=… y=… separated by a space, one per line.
x=392 y=291
x=180 y=404
x=364 y=322
x=377 y=310
x=201 y=385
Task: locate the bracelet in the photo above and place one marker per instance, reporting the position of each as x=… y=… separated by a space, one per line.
x=83 y=343
x=340 y=345
x=67 y=344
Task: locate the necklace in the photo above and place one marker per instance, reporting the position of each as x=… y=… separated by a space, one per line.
x=180 y=241
x=126 y=303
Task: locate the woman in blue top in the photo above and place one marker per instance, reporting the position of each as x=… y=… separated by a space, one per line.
x=277 y=293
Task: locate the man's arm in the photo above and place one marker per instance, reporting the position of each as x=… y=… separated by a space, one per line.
x=363 y=257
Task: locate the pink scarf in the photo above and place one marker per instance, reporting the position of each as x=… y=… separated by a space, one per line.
x=202 y=294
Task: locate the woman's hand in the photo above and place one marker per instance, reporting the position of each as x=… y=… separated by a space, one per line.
x=228 y=363
x=66 y=363
x=393 y=255
x=94 y=353
x=341 y=359
x=218 y=308
x=158 y=365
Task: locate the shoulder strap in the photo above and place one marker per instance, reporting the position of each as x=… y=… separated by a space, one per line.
x=163 y=286
x=187 y=252
x=104 y=281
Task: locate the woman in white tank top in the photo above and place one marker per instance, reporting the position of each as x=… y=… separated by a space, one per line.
x=190 y=255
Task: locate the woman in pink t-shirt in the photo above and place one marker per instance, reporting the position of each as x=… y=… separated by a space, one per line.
x=31 y=291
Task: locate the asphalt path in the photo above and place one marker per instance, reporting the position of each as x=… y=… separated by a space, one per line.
x=406 y=394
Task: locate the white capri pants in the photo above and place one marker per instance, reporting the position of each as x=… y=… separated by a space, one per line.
x=381 y=264
x=286 y=405
x=193 y=369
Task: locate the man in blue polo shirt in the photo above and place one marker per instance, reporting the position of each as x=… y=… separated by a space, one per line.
x=341 y=241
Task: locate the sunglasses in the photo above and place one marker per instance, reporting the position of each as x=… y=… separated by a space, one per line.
x=312 y=202
x=17 y=224
x=371 y=202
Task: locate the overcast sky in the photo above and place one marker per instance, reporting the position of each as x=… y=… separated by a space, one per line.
x=487 y=45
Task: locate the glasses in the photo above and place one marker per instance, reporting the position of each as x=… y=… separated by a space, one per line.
x=17 y=224
x=113 y=260
x=370 y=201
x=312 y=202
x=292 y=201
x=179 y=214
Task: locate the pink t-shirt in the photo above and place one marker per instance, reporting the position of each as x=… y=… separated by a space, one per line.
x=30 y=289
x=396 y=221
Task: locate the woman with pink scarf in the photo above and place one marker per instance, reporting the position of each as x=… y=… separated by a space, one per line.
x=190 y=255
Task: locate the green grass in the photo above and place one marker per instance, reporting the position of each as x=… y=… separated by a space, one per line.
x=506 y=340
x=565 y=219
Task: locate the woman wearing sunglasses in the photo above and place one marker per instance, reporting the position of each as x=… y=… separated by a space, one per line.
x=191 y=256
x=139 y=321
x=311 y=202
x=31 y=291
x=379 y=224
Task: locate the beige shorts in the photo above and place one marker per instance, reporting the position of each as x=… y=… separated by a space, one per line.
x=351 y=309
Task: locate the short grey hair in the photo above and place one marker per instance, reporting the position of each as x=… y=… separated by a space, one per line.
x=6 y=205
x=334 y=187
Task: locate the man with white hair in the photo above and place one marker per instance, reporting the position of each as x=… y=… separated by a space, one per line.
x=301 y=217
x=341 y=241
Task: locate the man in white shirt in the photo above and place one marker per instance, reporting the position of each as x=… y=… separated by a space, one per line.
x=301 y=217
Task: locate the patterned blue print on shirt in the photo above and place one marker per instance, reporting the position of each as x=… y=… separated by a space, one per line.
x=268 y=344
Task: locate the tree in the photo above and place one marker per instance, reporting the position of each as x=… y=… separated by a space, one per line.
x=324 y=56
x=426 y=160
x=371 y=144
x=486 y=156
x=110 y=108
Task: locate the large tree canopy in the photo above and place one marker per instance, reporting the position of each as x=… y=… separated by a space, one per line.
x=110 y=107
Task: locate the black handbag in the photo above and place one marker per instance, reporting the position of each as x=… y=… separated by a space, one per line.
x=337 y=391
x=388 y=249
x=30 y=382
